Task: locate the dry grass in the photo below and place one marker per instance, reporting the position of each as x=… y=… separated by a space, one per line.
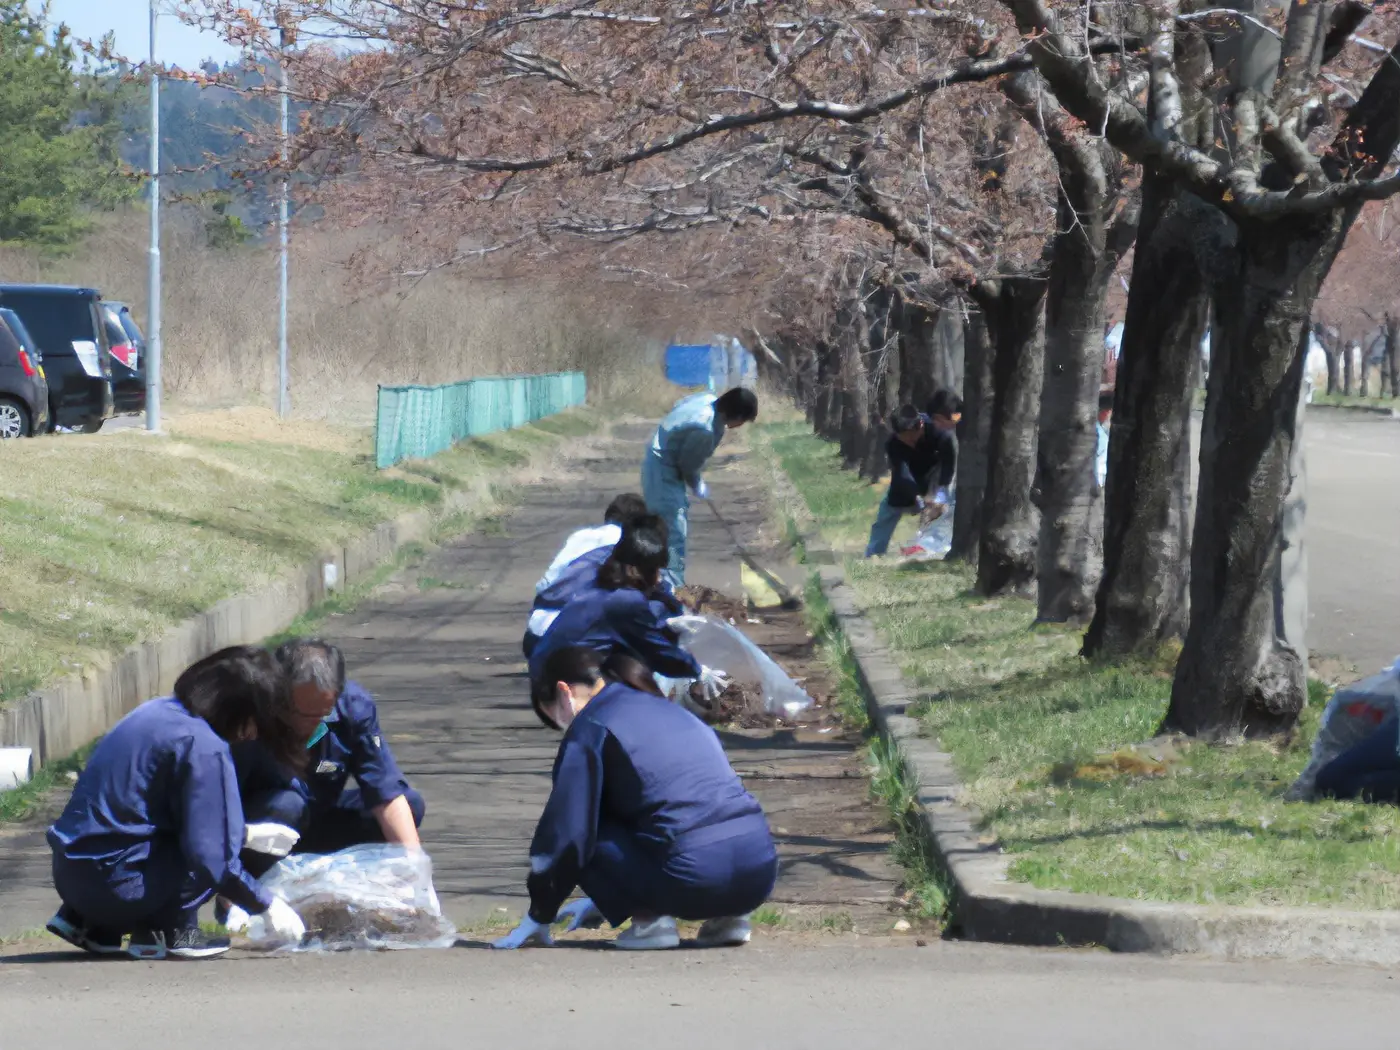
x=108 y=539
x=347 y=337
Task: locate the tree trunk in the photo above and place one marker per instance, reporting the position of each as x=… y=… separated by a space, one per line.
x=1142 y=593
x=1013 y=306
x=1348 y=370
x=1237 y=674
x=1068 y=495
x=1365 y=366
x=974 y=437
x=1392 y=351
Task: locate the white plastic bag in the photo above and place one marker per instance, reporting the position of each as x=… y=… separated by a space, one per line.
x=724 y=647
x=375 y=896
x=1353 y=714
x=934 y=540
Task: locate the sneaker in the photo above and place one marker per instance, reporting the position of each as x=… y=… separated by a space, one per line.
x=724 y=933
x=68 y=925
x=188 y=943
x=658 y=934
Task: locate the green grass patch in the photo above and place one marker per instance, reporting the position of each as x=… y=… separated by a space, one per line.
x=1353 y=401
x=24 y=802
x=114 y=538
x=1057 y=752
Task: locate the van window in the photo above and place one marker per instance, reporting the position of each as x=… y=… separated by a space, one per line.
x=55 y=321
x=9 y=346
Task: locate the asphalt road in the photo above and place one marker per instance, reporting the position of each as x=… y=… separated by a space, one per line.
x=1353 y=538
x=782 y=991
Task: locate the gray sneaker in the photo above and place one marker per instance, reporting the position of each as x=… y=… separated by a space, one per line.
x=724 y=933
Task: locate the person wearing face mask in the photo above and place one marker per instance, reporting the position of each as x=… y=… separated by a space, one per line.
x=646 y=815
x=338 y=722
x=154 y=825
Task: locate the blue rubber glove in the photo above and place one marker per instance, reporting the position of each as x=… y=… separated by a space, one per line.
x=529 y=934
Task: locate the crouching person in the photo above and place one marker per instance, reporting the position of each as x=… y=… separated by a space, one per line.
x=337 y=725
x=646 y=816
x=154 y=826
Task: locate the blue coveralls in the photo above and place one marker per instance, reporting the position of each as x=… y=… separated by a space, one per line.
x=573 y=569
x=1368 y=770
x=648 y=817
x=625 y=621
x=679 y=449
x=154 y=826
x=329 y=816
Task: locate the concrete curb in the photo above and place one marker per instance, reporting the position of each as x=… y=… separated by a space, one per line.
x=989 y=907
x=60 y=718
x=1355 y=410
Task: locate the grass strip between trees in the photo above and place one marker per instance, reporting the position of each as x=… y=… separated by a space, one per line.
x=1057 y=753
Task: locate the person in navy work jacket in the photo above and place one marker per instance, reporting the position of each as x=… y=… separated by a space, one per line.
x=646 y=816
x=919 y=446
x=338 y=723
x=576 y=565
x=154 y=825
x=625 y=610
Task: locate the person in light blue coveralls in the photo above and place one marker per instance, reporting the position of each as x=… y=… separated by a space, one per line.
x=682 y=445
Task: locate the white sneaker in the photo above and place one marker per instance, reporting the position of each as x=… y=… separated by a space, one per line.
x=651 y=936
x=724 y=933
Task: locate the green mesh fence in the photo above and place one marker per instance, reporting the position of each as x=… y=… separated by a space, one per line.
x=420 y=421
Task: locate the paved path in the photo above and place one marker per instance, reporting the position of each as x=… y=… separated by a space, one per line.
x=439 y=647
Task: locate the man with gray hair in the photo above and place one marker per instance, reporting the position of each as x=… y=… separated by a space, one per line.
x=340 y=723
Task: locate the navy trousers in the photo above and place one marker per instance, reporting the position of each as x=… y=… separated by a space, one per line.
x=154 y=892
x=715 y=873
x=1369 y=771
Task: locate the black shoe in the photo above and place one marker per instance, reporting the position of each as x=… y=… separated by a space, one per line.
x=68 y=925
x=188 y=943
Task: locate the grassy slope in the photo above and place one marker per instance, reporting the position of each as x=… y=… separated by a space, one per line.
x=113 y=538
x=1042 y=740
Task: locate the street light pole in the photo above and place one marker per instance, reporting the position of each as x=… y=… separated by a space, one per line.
x=153 y=272
x=283 y=209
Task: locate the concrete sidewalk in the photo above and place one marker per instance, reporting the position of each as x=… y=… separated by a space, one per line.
x=439 y=646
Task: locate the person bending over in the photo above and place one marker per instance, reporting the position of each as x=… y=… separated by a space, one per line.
x=683 y=443
x=154 y=826
x=646 y=816
x=624 y=611
x=576 y=565
x=337 y=725
x=920 y=448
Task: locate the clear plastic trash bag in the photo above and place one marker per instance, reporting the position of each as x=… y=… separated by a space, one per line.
x=724 y=647
x=374 y=896
x=934 y=540
x=1353 y=714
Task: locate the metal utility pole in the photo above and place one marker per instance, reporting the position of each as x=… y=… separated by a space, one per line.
x=283 y=209
x=153 y=273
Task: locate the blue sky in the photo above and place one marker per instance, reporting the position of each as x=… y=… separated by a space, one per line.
x=177 y=44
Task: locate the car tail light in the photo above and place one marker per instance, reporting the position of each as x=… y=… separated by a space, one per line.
x=26 y=365
x=126 y=354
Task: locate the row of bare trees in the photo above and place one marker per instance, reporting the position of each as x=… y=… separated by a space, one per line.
x=870 y=187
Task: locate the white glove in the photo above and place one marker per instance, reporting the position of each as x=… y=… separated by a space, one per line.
x=702 y=490
x=529 y=934
x=941 y=497
x=582 y=914
x=278 y=924
x=238 y=920
x=713 y=682
x=275 y=840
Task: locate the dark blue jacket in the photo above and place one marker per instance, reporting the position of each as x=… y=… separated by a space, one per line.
x=639 y=761
x=911 y=469
x=160 y=774
x=578 y=576
x=623 y=621
x=353 y=746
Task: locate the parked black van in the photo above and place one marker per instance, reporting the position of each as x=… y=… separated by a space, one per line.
x=24 y=392
x=70 y=329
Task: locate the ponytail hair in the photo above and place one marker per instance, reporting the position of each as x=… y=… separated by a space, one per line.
x=640 y=555
x=576 y=665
